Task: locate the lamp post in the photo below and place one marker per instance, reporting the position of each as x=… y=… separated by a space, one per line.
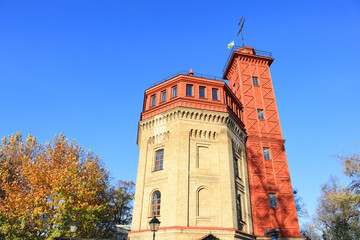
x=73 y=228
x=154 y=225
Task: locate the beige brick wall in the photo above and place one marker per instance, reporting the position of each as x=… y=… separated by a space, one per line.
x=197 y=183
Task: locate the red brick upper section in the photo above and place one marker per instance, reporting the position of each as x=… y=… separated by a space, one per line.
x=217 y=97
x=249 y=75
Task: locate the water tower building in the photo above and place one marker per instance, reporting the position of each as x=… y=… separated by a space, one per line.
x=212 y=163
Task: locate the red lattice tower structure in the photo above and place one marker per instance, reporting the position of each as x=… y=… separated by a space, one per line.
x=266 y=176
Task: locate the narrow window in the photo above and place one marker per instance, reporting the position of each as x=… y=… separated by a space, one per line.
x=153 y=99
x=255 y=81
x=266 y=153
x=174 y=91
x=215 y=94
x=260 y=113
x=159 y=160
x=239 y=212
x=189 y=88
x=163 y=96
x=273 y=202
x=202 y=92
x=236 y=166
x=155 y=204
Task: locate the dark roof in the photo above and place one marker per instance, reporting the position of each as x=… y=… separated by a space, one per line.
x=209 y=237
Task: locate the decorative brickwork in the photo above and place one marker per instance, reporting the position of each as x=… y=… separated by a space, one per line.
x=265 y=175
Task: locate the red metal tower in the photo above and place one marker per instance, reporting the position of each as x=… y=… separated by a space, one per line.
x=272 y=199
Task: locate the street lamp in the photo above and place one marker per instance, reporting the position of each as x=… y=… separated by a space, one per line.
x=73 y=228
x=154 y=225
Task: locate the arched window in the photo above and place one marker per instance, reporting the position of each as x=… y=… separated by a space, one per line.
x=155 y=204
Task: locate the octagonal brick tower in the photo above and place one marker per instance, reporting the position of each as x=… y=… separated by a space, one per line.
x=192 y=172
x=272 y=199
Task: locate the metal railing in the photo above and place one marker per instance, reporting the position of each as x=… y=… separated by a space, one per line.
x=187 y=73
x=256 y=52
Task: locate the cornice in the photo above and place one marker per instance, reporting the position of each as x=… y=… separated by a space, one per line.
x=248 y=58
x=194 y=115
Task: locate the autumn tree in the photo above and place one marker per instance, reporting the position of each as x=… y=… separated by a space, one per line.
x=45 y=188
x=121 y=197
x=310 y=232
x=338 y=212
x=299 y=204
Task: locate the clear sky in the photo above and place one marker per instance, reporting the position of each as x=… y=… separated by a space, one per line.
x=81 y=68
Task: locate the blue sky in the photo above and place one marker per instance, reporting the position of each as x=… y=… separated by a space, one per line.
x=81 y=68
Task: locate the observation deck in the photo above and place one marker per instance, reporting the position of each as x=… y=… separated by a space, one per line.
x=193 y=90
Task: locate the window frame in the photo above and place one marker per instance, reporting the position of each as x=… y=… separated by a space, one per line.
x=157 y=204
x=236 y=166
x=200 y=88
x=273 y=200
x=267 y=155
x=160 y=160
x=217 y=94
x=262 y=116
x=162 y=96
x=257 y=81
x=191 y=88
x=172 y=91
x=239 y=211
x=153 y=100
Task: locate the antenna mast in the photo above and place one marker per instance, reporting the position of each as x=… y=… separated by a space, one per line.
x=241 y=24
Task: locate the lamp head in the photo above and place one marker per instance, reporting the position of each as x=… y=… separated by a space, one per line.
x=73 y=227
x=154 y=224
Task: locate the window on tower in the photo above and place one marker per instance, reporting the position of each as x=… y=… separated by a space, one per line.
x=266 y=153
x=260 y=114
x=236 y=166
x=159 y=160
x=189 y=90
x=155 y=204
x=239 y=212
x=153 y=100
x=255 y=81
x=174 y=91
x=163 y=96
x=202 y=92
x=273 y=202
x=215 y=94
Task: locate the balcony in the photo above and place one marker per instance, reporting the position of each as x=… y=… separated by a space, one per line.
x=188 y=73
